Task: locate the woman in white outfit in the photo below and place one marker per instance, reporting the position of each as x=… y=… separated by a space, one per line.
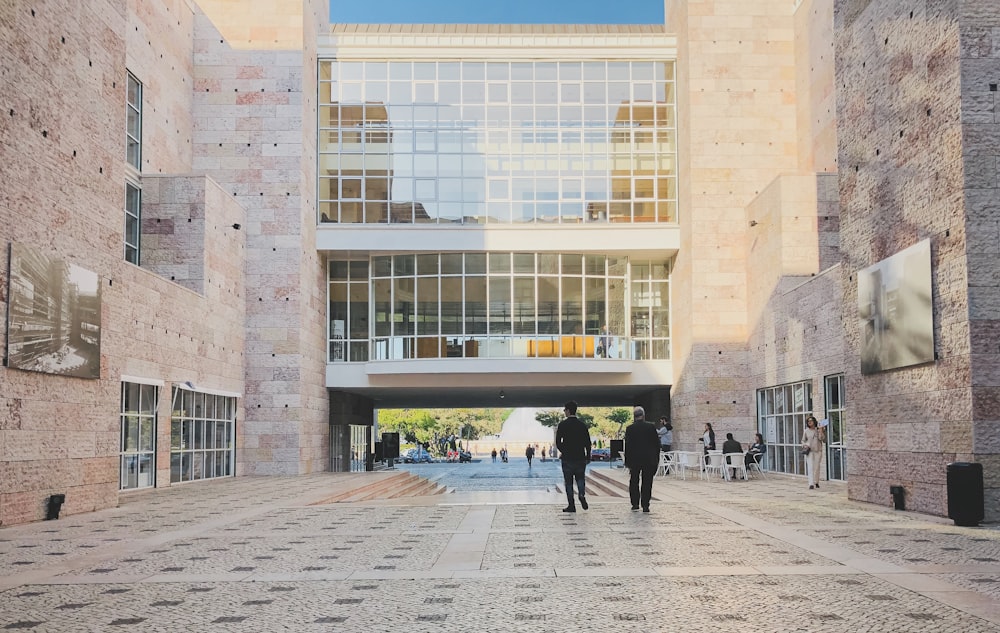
x=812 y=440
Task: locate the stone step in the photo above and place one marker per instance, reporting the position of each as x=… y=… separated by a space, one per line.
x=607 y=484
x=367 y=485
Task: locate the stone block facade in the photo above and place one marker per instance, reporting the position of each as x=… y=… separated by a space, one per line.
x=816 y=138
x=918 y=158
x=221 y=187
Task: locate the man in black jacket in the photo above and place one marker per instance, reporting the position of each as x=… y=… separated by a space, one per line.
x=642 y=457
x=573 y=442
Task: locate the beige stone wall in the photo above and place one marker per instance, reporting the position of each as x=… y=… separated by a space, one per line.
x=63 y=176
x=816 y=98
x=158 y=53
x=918 y=125
x=737 y=113
x=801 y=336
x=254 y=110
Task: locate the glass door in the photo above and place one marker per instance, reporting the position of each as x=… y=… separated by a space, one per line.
x=836 y=432
x=138 y=436
x=359 y=448
x=781 y=416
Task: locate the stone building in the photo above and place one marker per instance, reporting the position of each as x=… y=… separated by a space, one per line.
x=292 y=224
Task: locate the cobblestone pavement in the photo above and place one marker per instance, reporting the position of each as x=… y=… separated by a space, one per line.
x=252 y=554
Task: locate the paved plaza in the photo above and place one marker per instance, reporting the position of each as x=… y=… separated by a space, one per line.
x=497 y=554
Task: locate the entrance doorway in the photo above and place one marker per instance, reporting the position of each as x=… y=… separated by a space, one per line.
x=836 y=432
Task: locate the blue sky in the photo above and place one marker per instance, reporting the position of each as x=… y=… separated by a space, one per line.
x=497 y=11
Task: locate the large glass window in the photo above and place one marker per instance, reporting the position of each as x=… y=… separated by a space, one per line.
x=781 y=417
x=498 y=305
x=460 y=142
x=202 y=436
x=138 y=435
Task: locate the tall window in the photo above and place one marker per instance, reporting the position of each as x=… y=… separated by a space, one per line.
x=133 y=206
x=133 y=157
x=781 y=416
x=138 y=435
x=650 y=310
x=133 y=122
x=348 y=311
x=202 y=436
x=836 y=432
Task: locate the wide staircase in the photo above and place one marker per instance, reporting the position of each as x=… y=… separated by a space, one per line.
x=384 y=484
x=605 y=482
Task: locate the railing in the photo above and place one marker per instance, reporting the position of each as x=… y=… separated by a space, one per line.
x=535 y=346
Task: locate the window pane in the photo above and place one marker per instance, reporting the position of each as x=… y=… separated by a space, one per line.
x=403 y=307
x=548 y=305
x=524 y=305
x=383 y=306
x=500 y=305
x=499 y=263
x=427 y=306
x=572 y=305
x=475 y=305
x=146 y=432
x=451 y=305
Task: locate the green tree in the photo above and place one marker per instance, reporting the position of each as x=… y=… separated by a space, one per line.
x=620 y=417
x=549 y=418
x=553 y=418
x=426 y=425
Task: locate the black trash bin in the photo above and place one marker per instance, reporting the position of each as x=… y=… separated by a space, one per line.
x=55 y=505
x=965 y=493
x=898 y=497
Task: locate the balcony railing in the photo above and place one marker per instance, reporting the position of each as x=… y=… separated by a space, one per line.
x=506 y=346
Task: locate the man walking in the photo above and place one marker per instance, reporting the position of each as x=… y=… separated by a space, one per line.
x=573 y=442
x=642 y=457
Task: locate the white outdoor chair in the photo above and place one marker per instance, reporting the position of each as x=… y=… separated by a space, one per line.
x=754 y=466
x=735 y=461
x=716 y=464
x=668 y=464
x=689 y=460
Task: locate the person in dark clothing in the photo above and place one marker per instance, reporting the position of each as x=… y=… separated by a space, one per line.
x=731 y=446
x=756 y=451
x=642 y=457
x=573 y=442
x=529 y=453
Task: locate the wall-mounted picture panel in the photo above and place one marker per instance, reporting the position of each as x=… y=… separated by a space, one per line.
x=894 y=305
x=54 y=315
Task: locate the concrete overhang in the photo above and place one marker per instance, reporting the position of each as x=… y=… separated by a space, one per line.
x=450 y=383
x=655 y=241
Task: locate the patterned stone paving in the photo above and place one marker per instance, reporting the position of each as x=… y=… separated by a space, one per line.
x=712 y=556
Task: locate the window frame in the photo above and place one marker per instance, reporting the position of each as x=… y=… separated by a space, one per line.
x=134 y=452
x=133 y=137
x=132 y=247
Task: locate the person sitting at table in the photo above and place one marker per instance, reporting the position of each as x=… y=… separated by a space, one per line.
x=756 y=451
x=731 y=446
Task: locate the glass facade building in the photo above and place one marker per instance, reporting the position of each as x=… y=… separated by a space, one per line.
x=498 y=305
x=452 y=138
x=479 y=142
